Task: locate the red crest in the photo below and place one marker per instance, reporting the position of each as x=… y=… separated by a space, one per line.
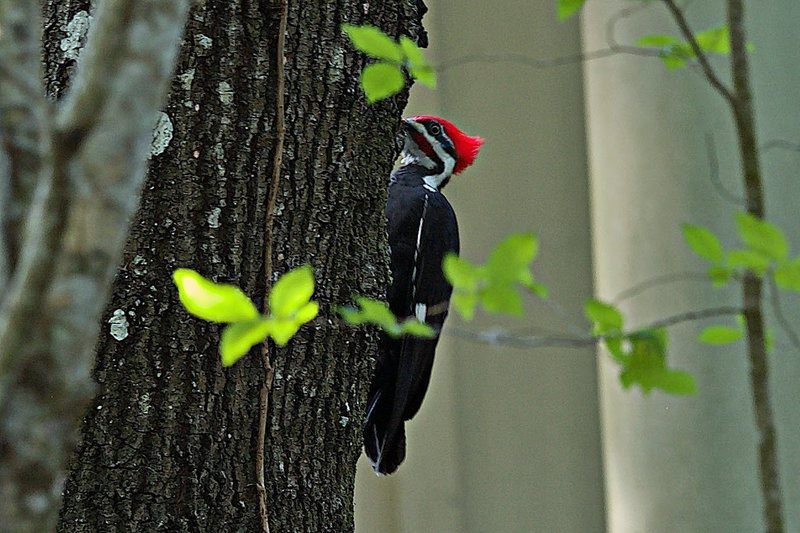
x=467 y=146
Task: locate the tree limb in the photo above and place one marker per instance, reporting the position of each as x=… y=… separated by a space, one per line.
x=742 y=108
x=28 y=186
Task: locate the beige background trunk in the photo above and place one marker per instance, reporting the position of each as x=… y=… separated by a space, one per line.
x=507 y=439
x=672 y=464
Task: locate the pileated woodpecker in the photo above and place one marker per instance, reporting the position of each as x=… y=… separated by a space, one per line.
x=422 y=229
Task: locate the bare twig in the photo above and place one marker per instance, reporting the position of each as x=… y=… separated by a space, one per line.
x=502 y=337
x=713 y=164
x=780 y=316
x=781 y=144
x=266 y=385
x=506 y=338
x=702 y=59
x=659 y=281
x=614 y=48
x=693 y=315
x=538 y=63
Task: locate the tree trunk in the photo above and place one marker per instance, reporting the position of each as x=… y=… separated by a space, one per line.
x=169 y=442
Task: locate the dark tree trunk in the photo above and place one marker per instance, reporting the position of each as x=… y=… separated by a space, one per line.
x=169 y=442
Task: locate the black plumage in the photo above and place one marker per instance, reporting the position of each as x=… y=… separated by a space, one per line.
x=422 y=228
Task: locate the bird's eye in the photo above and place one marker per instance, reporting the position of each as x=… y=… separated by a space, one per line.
x=435 y=129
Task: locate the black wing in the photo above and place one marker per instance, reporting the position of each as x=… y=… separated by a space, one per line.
x=422 y=229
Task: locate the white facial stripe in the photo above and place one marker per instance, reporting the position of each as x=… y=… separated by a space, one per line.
x=421 y=310
x=412 y=154
x=420 y=157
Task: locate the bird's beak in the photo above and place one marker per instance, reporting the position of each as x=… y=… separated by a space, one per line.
x=408 y=125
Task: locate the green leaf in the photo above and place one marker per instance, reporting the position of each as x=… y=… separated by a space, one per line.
x=378 y=313
x=502 y=299
x=567 y=8
x=762 y=236
x=374 y=42
x=715 y=40
x=717 y=335
x=614 y=344
x=215 y=302
x=674 y=60
x=787 y=275
x=417 y=65
x=307 y=313
x=676 y=53
x=647 y=368
x=370 y=312
x=751 y=259
x=291 y=292
x=605 y=317
x=510 y=260
x=677 y=382
x=646 y=365
x=282 y=330
x=465 y=303
x=657 y=41
x=460 y=273
x=381 y=80
x=703 y=242
x=238 y=338
x=537 y=288
x=719 y=275
x=415 y=328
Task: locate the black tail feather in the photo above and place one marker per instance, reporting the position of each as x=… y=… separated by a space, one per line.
x=401 y=380
x=384 y=441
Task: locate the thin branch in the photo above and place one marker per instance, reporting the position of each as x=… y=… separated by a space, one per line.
x=266 y=385
x=691 y=316
x=781 y=144
x=539 y=63
x=658 y=281
x=688 y=34
x=504 y=338
x=614 y=48
x=777 y=309
x=565 y=315
x=713 y=164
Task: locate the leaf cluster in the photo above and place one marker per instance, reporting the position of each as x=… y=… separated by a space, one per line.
x=376 y=312
x=495 y=284
x=290 y=307
x=385 y=78
x=641 y=354
x=676 y=53
x=764 y=251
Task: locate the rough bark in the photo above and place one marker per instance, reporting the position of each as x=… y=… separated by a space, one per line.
x=169 y=442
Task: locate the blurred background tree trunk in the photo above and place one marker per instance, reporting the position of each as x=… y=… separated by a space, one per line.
x=169 y=440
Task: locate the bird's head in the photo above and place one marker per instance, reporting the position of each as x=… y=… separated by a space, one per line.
x=439 y=146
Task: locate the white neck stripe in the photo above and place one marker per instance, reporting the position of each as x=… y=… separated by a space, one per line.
x=412 y=154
